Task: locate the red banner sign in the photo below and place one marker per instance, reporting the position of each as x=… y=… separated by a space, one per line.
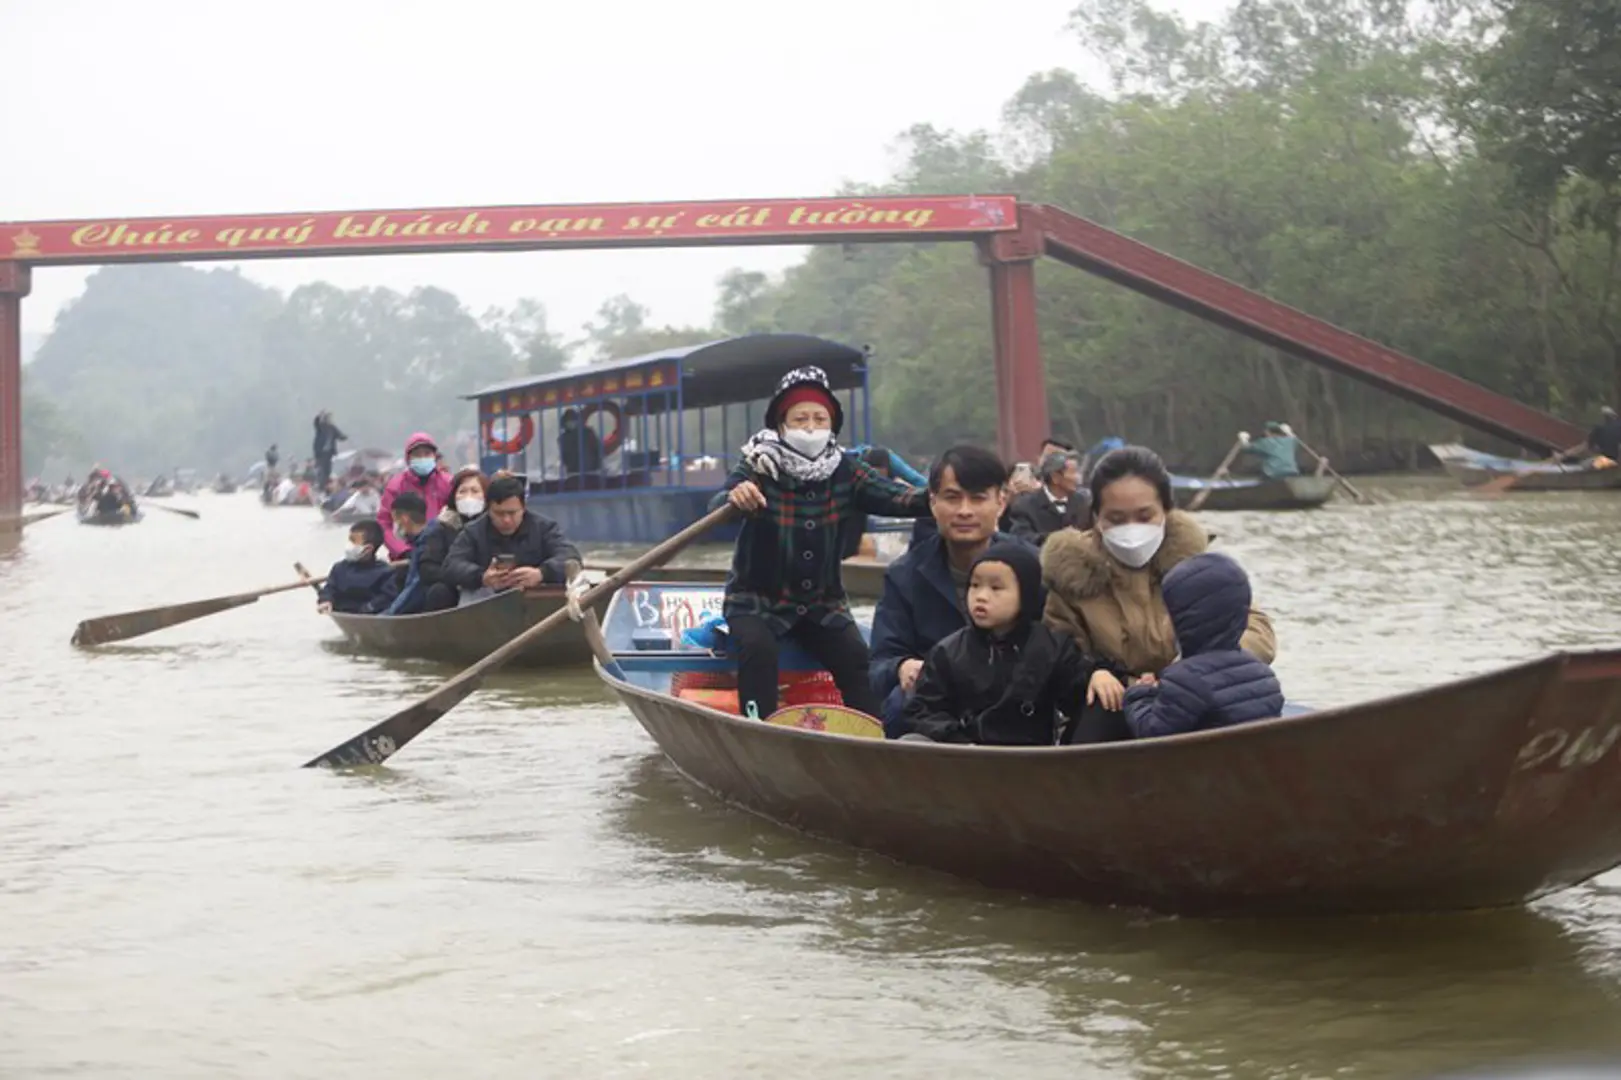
x=522 y=227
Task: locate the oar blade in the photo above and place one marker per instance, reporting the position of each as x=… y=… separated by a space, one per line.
x=194 y=515
x=131 y=624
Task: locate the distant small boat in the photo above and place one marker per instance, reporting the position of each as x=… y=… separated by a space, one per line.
x=1304 y=492
x=128 y=514
x=1474 y=467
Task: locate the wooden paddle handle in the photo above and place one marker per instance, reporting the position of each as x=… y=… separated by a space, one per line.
x=658 y=555
x=1204 y=493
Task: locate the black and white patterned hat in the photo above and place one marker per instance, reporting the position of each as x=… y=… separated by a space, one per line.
x=810 y=375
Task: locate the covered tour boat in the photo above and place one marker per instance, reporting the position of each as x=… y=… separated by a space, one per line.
x=631 y=451
x=1486 y=791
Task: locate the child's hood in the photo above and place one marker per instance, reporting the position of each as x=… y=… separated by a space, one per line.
x=1026 y=565
x=1208 y=599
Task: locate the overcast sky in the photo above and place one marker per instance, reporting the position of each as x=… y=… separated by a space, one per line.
x=169 y=108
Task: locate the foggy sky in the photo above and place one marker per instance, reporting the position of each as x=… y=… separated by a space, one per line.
x=172 y=108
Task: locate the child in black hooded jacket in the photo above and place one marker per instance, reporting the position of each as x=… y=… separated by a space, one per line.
x=1003 y=679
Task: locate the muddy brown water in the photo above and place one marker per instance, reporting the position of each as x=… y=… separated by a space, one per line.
x=531 y=891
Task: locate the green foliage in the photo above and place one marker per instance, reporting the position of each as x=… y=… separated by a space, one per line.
x=159 y=367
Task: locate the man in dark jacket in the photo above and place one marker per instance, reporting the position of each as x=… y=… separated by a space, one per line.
x=922 y=602
x=1035 y=515
x=360 y=583
x=1004 y=679
x=327 y=438
x=509 y=547
x=1214 y=683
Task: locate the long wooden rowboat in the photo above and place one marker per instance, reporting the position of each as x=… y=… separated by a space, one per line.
x=1483 y=792
x=1474 y=467
x=471 y=632
x=1289 y=493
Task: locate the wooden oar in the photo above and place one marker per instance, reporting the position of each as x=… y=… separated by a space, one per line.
x=1221 y=470
x=1499 y=484
x=194 y=515
x=382 y=740
x=1350 y=489
x=130 y=624
x=29 y=519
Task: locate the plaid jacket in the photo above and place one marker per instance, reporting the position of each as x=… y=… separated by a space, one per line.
x=786 y=566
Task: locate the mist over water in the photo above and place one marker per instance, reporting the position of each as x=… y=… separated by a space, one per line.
x=530 y=890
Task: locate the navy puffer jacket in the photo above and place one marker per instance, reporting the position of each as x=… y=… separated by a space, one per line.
x=1215 y=683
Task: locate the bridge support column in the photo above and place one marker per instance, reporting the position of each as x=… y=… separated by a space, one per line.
x=13 y=287
x=1021 y=378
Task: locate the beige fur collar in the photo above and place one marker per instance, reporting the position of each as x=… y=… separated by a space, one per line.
x=1075 y=563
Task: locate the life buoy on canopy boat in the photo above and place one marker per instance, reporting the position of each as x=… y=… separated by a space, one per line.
x=508 y=443
x=610 y=441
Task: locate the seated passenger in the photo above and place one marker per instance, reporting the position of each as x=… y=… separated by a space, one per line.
x=1056 y=502
x=922 y=601
x=360 y=583
x=410 y=524
x=1215 y=683
x=532 y=549
x=796 y=485
x=425 y=589
x=1105 y=585
x=1003 y=680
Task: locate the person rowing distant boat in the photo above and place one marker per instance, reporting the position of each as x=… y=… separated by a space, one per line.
x=1275 y=451
x=1603 y=442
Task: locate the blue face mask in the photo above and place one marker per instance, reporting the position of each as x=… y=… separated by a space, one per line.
x=423 y=466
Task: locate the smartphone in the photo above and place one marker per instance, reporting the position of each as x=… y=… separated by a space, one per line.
x=505 y=562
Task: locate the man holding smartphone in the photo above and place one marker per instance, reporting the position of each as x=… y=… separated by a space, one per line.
x=510 y=547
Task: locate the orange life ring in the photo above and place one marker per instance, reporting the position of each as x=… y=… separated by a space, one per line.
x=611 y=441
x=512 y=443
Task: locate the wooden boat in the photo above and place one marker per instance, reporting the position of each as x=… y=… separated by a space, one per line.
x=1473 y=468
x=471 y=632
x=1304 y=492
x=129 y=514
x=1483 y=792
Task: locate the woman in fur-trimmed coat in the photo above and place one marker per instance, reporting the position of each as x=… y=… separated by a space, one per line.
x=1103 y=586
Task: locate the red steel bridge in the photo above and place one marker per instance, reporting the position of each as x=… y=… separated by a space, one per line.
x=1011 y=237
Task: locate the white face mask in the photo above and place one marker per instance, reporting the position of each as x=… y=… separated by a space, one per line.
x=1134 y=544
x=809 y=443
x=470 y=506
x=355 y=552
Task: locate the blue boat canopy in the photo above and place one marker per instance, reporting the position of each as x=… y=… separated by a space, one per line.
x=723 y=372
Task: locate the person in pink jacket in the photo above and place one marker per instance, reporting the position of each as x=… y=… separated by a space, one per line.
x=423 y=474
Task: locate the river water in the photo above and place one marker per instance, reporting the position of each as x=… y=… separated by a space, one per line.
x=531 y=891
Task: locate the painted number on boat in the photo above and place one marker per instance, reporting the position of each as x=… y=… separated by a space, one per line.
x=679 y=610
x=1562 y=750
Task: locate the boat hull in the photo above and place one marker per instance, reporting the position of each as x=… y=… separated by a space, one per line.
x=1471 y=468
x=471 y=632
x=109 y=520
x=1289 y=493
x=1486 y=792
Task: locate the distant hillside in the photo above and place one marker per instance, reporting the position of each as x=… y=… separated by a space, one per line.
x=31 y=344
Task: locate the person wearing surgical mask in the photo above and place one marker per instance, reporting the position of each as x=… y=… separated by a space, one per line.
x=422 y=474
x=796 y=485
x=1103 y=586
x=433 y=592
